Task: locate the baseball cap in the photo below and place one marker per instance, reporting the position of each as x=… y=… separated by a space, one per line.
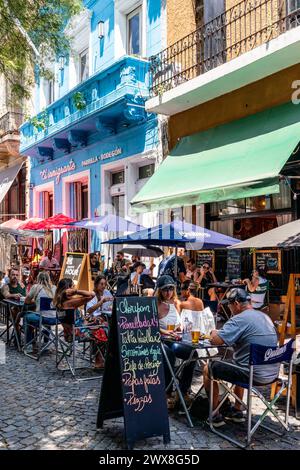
x=165 y=281
x=236 y=295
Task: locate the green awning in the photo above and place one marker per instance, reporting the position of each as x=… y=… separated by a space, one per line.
x=232 y=161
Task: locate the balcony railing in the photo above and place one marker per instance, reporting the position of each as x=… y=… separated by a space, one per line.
x=10 y=122
x=240 y=29
x=93 y=105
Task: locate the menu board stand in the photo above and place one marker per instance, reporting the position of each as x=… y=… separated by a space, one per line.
x=76 y=266
x=133 y=382
x=270 y=260
x=234 y=264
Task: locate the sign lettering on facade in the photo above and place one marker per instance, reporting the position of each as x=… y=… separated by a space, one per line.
x=57 y=172
x=71 y=166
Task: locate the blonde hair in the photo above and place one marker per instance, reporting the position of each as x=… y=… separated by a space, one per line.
x=44 y=280
x=160 y=298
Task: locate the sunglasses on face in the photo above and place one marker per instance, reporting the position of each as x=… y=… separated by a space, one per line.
x=168 y=289
x=205 y=267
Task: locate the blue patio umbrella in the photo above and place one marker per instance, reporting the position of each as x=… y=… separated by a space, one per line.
x=179 y=234
x=107 y=223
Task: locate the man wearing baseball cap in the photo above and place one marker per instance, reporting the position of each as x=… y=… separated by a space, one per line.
x=246 y=326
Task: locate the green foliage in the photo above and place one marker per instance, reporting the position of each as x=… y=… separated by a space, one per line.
x=43 y=22
x=41 y=121
x=79 y=101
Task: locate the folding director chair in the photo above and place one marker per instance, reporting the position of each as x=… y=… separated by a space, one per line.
x=79 y=347
x=43 y=335
x=259 y=355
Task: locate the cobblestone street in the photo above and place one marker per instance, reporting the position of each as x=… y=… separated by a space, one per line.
x=41 y=408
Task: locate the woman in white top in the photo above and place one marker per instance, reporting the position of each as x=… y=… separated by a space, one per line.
x=257 y=287
x=168 y=314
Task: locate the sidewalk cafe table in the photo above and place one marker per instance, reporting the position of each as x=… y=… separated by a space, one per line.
x=201 y=345
x=11 y=322
x=222 y=288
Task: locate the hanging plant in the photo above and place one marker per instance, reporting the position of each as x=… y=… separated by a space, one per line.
x=41 y=121
x=79 y=101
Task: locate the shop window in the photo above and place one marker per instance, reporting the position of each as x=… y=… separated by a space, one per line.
x=118 y=203
x=282 y=200
x=118 y=177
x=146 y=171
x=293 y=5
x=83 y=65
x=134 y=32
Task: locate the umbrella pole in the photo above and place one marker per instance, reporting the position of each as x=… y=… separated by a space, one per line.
x=176 y=263
x=60 y=247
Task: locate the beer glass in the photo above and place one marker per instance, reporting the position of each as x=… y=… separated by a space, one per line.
x=196 y=327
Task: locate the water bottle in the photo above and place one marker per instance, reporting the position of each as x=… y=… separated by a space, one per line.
x=186 y=334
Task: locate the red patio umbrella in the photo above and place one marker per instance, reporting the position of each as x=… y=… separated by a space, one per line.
x=30 y=224
x=57 y=221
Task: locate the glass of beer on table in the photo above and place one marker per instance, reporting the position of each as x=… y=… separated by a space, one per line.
x=196 y=328
x=170 y=327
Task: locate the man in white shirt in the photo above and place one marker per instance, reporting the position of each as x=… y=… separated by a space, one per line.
x=102 y=302
x=49 y=262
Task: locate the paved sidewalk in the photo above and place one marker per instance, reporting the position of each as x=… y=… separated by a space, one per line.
x=41 y=408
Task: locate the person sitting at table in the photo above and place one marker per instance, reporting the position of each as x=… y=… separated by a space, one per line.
x=43 y=288
x=102 y=301
x=246 y=326
x=14 y=290
x=207 y=276
x=167 y=266
x=121 y=264
x=37 y=256
x=192 y=272
x=96 y=307
x=67 y=300
x=257 y=287
x=189 y=301
x=135 y=276
x=169 y=324
x=95 y=265
x=49 y=262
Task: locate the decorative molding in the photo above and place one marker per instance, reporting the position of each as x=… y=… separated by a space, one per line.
x=61 y=144
x=78 y=138
x=46 y=152
x=105 y=128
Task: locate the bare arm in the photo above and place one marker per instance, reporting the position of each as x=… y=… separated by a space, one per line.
x=215 y=338
x=252 y=285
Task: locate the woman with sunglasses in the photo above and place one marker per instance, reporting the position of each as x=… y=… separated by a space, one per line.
x=169 y=323
x=207 y=276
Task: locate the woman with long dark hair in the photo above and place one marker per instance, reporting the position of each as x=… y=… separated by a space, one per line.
x=170 y=323
x=67 y=300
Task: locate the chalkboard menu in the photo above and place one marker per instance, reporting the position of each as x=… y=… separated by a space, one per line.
x=205 y=256
x=76 y=266
x=133 y=383
x=270 y=260
x=234 y=264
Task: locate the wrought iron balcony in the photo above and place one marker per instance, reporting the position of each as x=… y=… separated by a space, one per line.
x=10 y=123
x=238 y=30
x=106 y=102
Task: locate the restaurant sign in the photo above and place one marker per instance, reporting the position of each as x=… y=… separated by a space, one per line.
x=57 y=172
x=71 y=166
x=103 y=156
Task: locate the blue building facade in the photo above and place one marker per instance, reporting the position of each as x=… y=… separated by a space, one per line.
x=91 y=144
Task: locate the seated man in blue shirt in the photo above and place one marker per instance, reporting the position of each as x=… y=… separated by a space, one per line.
x=247 y=326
